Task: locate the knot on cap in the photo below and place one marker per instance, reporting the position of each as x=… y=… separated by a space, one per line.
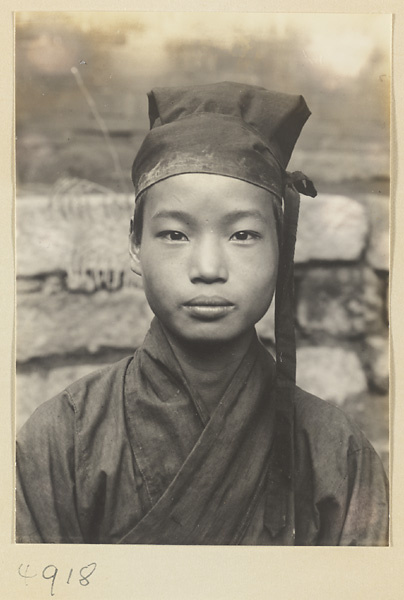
x=301 y=183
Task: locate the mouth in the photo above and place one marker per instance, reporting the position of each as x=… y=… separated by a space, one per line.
x=208 y=308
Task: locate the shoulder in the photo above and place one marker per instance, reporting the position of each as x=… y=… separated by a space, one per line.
x=84 y=399
x=340 y=479
x=331 y=449
x=326 y=425
x=98 y=385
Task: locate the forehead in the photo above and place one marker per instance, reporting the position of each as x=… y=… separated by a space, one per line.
x=207 y=194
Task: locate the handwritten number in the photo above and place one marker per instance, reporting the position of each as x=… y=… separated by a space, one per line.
x=53 y=576
x=84 y=578
x=25 y=575
x=50 y=572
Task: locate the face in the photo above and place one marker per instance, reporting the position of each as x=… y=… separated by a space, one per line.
x=208 y=256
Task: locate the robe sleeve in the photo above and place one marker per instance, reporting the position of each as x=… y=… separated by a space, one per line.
x=46 y=507
x=342 y=490
x=366 y=489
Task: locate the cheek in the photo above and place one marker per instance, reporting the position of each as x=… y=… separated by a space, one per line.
x=261 y=270
x=159 y=272
x=158 y=293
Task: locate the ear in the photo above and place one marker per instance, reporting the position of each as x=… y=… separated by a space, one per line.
x=134 y=253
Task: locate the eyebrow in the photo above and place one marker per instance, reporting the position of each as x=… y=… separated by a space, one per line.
x=230 y=218
x=236 y=215
x=173 y=214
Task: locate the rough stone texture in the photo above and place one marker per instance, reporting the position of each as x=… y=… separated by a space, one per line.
x=75 y=235
x=377 y=253
x=333 y=374
x=375 y=358
x=29 y=286
x=340 y=301
x=331 y=228
x=43 y=242
x=63 y=323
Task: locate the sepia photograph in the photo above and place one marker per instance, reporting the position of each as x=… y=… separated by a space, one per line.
x=202 y=211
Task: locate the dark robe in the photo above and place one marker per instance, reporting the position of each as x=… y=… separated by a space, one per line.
x=130 y=454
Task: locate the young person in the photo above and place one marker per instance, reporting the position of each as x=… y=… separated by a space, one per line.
x=201 y=437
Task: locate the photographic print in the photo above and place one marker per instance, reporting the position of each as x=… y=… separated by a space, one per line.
x=184 y=375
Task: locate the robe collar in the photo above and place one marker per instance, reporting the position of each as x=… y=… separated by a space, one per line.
x=205 y=490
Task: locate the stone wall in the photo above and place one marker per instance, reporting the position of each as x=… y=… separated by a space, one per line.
x=80 y=307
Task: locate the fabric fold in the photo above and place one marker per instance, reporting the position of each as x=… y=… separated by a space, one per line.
x=213 y=492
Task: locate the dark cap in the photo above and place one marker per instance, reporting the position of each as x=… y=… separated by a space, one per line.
x=231 y=129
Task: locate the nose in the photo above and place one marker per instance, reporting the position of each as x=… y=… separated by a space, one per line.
x=208 y=261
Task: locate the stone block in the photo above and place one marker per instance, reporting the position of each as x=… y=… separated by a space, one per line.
x=332 y=373
x=42 y=238
x=74 y=235
x=379 y=239
x=345 y=301
x=375 y=358
x=64 y=323
x=28 y=285
x=331 y=227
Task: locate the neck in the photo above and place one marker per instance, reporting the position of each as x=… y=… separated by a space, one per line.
x=209 y=367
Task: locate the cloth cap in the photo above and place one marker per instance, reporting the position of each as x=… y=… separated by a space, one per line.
x=230 y=129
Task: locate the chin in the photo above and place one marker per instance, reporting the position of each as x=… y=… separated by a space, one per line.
x=208 y=334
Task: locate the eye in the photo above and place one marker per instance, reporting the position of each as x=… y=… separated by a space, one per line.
x=173 y=236
x=245 y=236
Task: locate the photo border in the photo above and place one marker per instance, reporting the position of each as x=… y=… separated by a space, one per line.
x=205 y=573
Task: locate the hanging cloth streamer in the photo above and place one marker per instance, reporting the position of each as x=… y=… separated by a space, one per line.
x=280 y=495
x=284 y=301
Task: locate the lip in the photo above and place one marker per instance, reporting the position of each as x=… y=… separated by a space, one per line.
x=213 y=301
x=208 y=308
